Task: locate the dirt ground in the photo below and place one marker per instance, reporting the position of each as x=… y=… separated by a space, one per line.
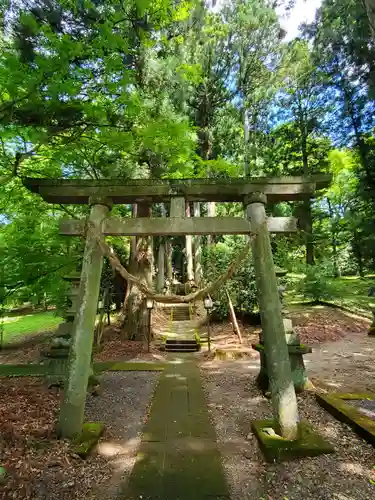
x=344 y=365
x=42 y=467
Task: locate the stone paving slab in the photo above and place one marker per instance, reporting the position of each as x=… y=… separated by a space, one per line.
x=178 y=458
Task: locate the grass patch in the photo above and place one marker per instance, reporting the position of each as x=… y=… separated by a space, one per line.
x=29 y=324
x=348 y=292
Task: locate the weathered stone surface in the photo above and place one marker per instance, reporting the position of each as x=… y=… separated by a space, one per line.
x=174 y=226
x=78 y=191
x=275 y=348
x=335 y=404
x=178 y=457
x=79 y=363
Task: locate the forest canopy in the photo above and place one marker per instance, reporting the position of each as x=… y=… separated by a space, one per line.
x=177 y=89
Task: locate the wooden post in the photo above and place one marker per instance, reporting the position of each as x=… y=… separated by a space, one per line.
x=284 y=400
x=232 y=314
x=197 y=249
x=79 y=363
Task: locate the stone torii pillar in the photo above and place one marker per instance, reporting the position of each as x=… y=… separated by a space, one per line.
x=79 y=362
x=283 y=395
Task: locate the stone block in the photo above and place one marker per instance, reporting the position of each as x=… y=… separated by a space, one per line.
x=336 y=405
x=276 y=449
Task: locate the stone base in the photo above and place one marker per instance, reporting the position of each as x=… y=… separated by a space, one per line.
x=361 y=424
x=277 y=449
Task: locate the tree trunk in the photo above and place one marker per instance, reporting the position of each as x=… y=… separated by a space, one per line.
x=246 y=134
x=211 y=212
x=308 y=228
x=197 y=250
x=168 y=255
x=336 y=267
x=161 y=266
x=356 y=245
x=189 y=250
x=283 y=395
x=370 y=8
x=136 y=314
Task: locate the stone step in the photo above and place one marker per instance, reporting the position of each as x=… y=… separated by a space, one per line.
x=181 y=345
x=181 y=341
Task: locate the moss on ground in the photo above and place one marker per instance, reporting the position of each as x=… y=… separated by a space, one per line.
x=128 y=366
x=276 y=449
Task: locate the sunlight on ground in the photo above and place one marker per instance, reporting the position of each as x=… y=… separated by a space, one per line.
x=333 y=384
x=10 y=319
x=110 y=448
x=330 y=432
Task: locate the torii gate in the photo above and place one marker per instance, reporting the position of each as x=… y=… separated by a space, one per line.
x=254 y=193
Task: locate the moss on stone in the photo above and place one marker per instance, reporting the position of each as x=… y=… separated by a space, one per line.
x=361 y=424
x=276 y=449
x=84 y=443
x=26 y=370
x=128 y=366
x=224 y=354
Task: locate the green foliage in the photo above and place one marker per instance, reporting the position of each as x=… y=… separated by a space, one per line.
x=315 y=285
x=241 y=287
x=164 y=89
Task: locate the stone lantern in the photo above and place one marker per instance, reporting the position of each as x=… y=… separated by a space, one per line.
x=295 y=348
x=56 y=355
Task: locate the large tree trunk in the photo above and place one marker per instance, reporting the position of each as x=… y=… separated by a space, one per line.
x=136 y=314
x=168 y=255
x=189 y=250
x=246 y=135
x=308 y=228
x=197 y=250
x=307 y=214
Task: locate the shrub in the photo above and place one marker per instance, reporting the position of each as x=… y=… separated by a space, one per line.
x=241 y=287
x=315 y=285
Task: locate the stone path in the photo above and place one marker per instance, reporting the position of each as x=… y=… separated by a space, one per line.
x=178 y=458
